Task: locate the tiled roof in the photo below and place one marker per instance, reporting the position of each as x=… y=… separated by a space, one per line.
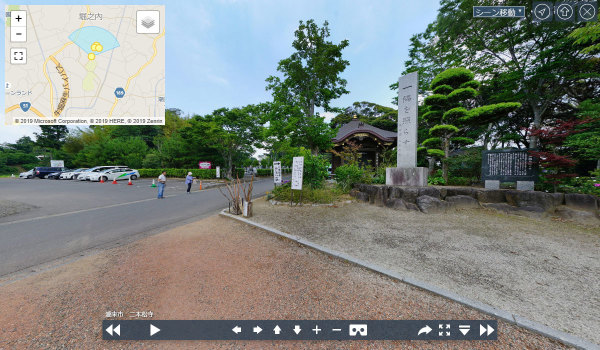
x=356 y=126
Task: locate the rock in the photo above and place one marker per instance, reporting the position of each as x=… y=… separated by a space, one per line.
x=462 y=202
x=407 y=194
x=461 y=191
x=580 y=216
x=558 y=198
x=411 y=206
x=531 y=199
x=490 y=196
x=353 y=192
x=430 y=191
x=443 y=192
x=397 y=204
x=429 y=204
x=528 y=211
x=363 y=197
x=579 y=201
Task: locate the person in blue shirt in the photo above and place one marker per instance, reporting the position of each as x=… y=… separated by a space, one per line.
x=188 y=180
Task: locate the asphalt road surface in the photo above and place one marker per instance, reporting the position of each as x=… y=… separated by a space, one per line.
x=72 y=218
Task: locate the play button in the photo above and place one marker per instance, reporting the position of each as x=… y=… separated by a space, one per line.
x=487 y=331
x=153 y=330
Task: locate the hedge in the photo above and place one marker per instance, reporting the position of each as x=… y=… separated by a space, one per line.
x=269 y=172
x=181 y=173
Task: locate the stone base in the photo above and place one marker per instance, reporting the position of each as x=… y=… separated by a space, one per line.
x=406 y=176
x=492 y=184
x=525 y=185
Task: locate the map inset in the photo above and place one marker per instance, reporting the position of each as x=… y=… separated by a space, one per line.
x=88 y=64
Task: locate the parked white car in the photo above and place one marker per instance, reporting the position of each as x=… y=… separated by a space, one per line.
x=70 y=175
x=115 y=174
x=86 y=175
x=26 y=174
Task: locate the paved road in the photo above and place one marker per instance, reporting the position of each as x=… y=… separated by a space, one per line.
x=72 y=217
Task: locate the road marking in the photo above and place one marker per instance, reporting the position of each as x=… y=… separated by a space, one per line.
x=96 y=208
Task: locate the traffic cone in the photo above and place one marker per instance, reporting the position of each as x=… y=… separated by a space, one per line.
x=200 y=181
x=153 y=183
x=114 y=182
x=129 y=183
x=101 y=180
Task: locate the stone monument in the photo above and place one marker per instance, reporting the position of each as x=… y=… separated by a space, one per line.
x=406 y=172
x=508 y=165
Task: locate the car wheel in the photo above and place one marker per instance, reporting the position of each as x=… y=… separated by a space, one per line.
x=104 y=178
x=133 y=177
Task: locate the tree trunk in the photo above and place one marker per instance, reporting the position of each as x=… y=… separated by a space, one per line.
x=446 y=156
x=431 y=165
x=598 y=165
x=229 y=167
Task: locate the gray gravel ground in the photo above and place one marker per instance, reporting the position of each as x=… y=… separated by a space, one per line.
x=8 y=207
x=543 y=270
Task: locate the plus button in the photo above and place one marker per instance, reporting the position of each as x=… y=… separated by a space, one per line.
x=317 y=329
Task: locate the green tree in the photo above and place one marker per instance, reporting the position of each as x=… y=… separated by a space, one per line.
x=232 y=132
x=585 y=143
x=452 y=110
x=311 y=78
x=52 y=136
x=539 y=63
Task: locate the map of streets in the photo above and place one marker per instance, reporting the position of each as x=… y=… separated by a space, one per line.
x=84 y=64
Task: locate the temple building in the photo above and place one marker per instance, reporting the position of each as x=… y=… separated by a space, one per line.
x=371 y=140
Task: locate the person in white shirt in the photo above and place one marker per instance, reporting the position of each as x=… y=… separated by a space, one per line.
x=162 y=181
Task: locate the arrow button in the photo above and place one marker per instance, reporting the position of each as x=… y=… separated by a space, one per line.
x=257 y=329
x=277 y=330
x=297 y=329
x=237 y=329
x=153 y=329
x=425 y=330
x=109 y=330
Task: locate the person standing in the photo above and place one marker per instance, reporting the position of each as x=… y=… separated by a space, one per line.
x=188 y=181
x=162 y=182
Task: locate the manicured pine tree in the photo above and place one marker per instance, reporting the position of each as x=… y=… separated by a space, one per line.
x=452 y=112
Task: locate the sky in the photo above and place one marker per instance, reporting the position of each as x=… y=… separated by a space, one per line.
x=219 y=52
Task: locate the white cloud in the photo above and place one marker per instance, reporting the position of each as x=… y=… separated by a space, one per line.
x=328 y=116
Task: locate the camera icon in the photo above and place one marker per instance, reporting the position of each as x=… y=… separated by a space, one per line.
x=361 y=329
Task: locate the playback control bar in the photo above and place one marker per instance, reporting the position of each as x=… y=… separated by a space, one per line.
x=299 y=330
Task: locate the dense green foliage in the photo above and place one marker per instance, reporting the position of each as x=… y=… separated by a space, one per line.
x=324 y=195
x=182 y=173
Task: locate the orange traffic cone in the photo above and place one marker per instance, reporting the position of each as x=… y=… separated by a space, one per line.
x=129 y=183
x=200 y=181
x=114 y=182
x=101 y=180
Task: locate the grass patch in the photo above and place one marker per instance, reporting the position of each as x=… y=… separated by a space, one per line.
x=327 y=195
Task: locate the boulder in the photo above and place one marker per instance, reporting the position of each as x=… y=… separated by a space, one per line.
x=528 y=211
x=461 y=191
x=580 y=216
x=531 y=199
x=430 y=191
x=397 y=204
x=490 y=196
x=407 y=194
x=362 y=196
x=580 y=201
x=411 y=206
x=429 y=204
x=462 y=202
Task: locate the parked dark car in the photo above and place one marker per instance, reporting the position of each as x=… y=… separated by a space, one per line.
x=41 y=171
x=56 y=175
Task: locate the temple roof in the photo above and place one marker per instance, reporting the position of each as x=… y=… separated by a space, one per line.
x=356 y=126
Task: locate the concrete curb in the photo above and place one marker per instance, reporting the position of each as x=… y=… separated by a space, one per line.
x=506 y=316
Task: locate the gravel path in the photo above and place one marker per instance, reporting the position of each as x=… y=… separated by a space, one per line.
x=217 y=268
x=545 y=271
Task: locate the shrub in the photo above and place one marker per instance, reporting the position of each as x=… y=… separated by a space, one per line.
x=436 y=178
x=315 y=170
x=324 y=195
x=181 y=173
x=459 y=181
x=347 y=175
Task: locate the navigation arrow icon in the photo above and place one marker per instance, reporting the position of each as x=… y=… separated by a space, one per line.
x=482 y=330
x=109 y=330
x=257 y=329
x=277 y=330
x=153 y=329
x=489 y=329
x=237 y=329
x=297 y=329
x=117 y=330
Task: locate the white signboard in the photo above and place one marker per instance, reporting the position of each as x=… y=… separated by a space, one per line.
x=277 y=173
x=218 y=172
x=407 y=120
x=57 y=163
x=297 y=171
